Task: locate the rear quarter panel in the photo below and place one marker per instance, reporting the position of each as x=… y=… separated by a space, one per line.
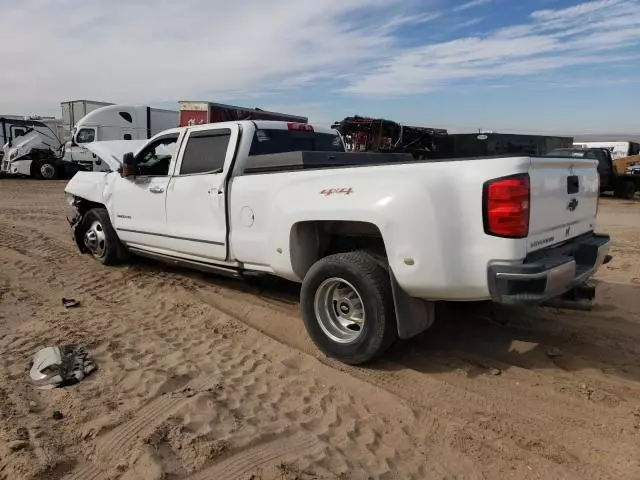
x=429 y=215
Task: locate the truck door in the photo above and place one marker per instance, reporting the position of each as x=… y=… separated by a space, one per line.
x=196 y=199
x=139 y=203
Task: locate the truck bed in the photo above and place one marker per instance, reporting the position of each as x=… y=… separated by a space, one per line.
x=310 y=160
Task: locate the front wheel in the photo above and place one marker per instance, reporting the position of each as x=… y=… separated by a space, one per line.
x=347 y=307
x=45 y=170
x=100 y=238
x=626 y=190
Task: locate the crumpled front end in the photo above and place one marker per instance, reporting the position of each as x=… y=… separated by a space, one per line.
x=86 y=190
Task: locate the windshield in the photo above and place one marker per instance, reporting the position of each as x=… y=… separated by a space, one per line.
x=279 y=141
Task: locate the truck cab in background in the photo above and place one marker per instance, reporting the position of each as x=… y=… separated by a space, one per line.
x=617 y=150
x=622 y=185
x=11 y=126
x=27 y=142
x=40 y=154
x=114 y=122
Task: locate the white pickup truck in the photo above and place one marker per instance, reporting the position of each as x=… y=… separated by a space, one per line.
x=374 y=239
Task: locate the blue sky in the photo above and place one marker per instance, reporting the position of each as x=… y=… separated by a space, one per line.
x=556 y=66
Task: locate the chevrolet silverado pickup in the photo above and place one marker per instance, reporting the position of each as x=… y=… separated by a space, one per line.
x=375 y=240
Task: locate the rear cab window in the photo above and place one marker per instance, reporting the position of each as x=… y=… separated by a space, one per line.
x=205 y=152
x=270 y=141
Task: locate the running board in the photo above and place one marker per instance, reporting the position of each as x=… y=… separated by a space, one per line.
x=181 y=262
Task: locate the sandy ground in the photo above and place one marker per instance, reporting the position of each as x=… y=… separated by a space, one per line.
x=206 y=378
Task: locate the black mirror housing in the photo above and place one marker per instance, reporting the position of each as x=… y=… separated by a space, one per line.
x=129 y=165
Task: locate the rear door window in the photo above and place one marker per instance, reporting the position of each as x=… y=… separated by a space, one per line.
x=205 y=152
x=267 y=142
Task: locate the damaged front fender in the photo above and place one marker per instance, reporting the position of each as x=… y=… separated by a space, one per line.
x=78 y=235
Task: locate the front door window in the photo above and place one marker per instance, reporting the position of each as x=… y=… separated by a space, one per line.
x=155 y=159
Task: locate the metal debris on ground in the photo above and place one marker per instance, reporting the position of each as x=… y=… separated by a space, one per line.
x=61 y=366
x=554 y=352
x=70 y=302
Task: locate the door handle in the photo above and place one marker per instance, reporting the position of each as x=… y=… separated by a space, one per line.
x=215 y=191
x=156 y=189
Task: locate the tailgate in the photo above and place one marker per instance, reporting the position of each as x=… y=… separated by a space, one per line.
x=564 y=200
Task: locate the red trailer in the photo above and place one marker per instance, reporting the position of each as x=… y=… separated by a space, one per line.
x=196 y=113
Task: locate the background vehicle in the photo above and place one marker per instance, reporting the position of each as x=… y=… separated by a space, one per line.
x=115 y=122
x=363 y=134
x=617 y=149
x=32 y=138
x=75 y=110
x=198 y=113
x=39 y=156
x=86 y=121
x=12 y=126
x=460 y=145
x=379 y=135
x=374 y=239
x=622 y=185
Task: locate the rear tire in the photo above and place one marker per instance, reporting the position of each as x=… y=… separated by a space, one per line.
x=100 y=239
x=347 y=307
x=626 y=189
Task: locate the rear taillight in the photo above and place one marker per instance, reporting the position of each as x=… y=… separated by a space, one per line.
x=506 y=206
x=300 y=127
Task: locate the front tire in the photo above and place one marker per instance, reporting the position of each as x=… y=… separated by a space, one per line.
x=347 y=307
x=45 y=170
x=626 y=190
x=100 y=239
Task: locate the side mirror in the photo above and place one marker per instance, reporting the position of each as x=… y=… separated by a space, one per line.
x=129 y=165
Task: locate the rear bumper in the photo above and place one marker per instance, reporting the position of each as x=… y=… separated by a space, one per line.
x=549 y=273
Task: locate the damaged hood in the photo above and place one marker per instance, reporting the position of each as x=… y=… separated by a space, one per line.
x=112 y=151
x=22 y=145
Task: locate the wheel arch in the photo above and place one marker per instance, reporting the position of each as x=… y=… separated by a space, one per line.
x=311 y=241
x=82 y=206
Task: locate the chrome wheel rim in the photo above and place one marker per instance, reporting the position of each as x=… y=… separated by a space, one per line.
x=95 y=239
x=339 y=310
x=47 y=171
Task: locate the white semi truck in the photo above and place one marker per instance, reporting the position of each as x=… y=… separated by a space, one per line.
x=14 y=127
x=29 y=157
x=35 y=136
